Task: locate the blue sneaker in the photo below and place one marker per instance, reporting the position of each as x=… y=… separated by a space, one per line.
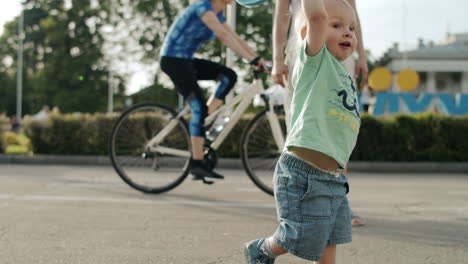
x=253 y=255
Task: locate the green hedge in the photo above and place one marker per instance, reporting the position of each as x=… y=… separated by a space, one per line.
x=424 y=137
x=84 y=134
x=4 y=123
x=88 y=135
x=2 y=143
x=421 y=137
x=4 y=126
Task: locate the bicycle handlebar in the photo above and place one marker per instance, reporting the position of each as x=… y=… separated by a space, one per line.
x=255 y=60
x=267 y=69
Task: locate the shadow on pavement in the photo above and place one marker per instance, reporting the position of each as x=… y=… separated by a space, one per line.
x=446 y=234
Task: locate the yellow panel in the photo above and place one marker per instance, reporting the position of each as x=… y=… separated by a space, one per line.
x=407 y=80
x=380 y=79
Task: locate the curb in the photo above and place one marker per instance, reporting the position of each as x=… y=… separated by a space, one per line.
x=54 y=159
x=233 y=163
x=408 y=167
x=88 y=160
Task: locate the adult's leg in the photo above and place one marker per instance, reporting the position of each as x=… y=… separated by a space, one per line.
x=197 y=132
x=356 y=219
x=226 y=77
x=287 y=107
x=366 y=108
x=197 y=147
x=183 y=74
x=289 y=90
x=213 y=104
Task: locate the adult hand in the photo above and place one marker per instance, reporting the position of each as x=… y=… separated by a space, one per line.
x=280 y=74
x=261 y=66
x=362 y=70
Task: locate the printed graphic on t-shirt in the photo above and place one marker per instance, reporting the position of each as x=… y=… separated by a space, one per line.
x=347 y=103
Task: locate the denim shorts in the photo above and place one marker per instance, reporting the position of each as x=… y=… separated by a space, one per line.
x=313 y=211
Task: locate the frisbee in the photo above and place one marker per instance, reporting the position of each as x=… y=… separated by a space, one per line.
x=250 y=3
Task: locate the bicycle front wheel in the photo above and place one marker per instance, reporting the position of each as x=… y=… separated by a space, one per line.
x=259 y=150
x=141 y=165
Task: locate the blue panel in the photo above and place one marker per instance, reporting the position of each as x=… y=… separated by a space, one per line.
x=389 y=100
x=417 y=106
x=457 y=106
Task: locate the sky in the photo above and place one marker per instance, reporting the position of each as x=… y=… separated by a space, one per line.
x=383 y=22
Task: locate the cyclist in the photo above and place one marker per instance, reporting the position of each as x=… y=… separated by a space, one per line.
x=199 y=23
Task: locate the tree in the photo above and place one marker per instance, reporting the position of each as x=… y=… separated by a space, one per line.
x=7 y=94
x=70 y=46
x=63 y=61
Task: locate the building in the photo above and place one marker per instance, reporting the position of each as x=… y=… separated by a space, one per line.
x=442 y=68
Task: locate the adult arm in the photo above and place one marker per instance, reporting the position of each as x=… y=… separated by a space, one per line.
x=361 y=65
x=317 y=20
x=242 y=42
x=280 y=30
x=228 y=37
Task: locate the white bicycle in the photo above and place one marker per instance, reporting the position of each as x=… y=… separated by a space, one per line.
x=150 y=146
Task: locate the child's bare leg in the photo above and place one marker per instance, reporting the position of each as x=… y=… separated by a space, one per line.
x=213 y=104
x=329 y=255
x=275 y=248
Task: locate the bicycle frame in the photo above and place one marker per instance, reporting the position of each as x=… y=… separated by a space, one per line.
x=240 y=102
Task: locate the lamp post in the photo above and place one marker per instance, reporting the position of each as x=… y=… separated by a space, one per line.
x=19 y=75
x=110 y=92
x=231 y=20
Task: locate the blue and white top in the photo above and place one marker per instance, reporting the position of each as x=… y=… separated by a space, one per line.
x=188 y=33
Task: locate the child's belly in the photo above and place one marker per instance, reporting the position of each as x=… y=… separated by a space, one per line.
x=315 y=158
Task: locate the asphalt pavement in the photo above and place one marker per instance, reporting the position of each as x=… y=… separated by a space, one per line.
x=87 y=214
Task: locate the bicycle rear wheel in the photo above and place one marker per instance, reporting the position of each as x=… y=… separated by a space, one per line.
x=259 y=150
x=141 y=166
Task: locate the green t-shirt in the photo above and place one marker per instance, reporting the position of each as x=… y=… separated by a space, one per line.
x=325 y=111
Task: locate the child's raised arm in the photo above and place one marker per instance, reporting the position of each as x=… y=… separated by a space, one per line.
x=317 y=20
